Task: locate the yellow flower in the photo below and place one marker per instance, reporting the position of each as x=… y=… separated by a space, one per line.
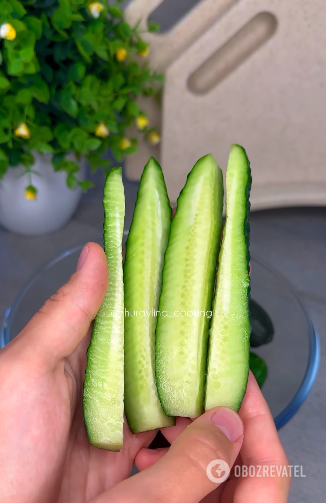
x=144 y=52
x=141 y=121
x=95 y=9
x=102 y=130
x=7 y=31
x=125 y=143
x=154 y=138
x=121 y=54
x=30 y=193
x=23 y=131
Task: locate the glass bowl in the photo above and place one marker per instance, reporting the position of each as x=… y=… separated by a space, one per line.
x=292 y=357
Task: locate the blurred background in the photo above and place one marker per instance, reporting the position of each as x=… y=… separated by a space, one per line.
x=251 y=72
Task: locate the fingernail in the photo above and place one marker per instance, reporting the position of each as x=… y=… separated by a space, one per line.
x=229 y=423
x=82 y=257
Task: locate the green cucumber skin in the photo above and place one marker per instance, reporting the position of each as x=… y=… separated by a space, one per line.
x=259 y=368
x=228 y=355
x=104 y=379
x=188 y=278
x=145 y=249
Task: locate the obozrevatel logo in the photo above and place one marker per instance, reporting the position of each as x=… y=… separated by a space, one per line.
x=222 y=471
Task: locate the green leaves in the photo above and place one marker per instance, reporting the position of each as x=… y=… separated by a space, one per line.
x=62 y=133
x=17 y=9
x=89 y=42
x=71 y=179
x=27 y=54
x=69 y=105
x=61 y=18
x=6 y=8
x=77 y=17
x=133 y=108
x=75 y=139
x=85 y=185
x=4 y=82
x=117 y=81
x=3 y=156
x=68 y=101
x=77 y=71
x=124 y=30
x=15 y=66
x=30 y=112
x=153 y=27
x=4 y=137
x=79 y=138
x=40 y=89
x=92 y=144
x=82 y=52
x=61 y=163
x=34 y=25
x=24 y=96
x=20 y=52
x=60 y=79
x=89 y=91
x=115 y=11
x=41 y=136
x=119 y=103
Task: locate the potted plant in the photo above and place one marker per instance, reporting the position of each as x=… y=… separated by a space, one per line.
x=70 y=75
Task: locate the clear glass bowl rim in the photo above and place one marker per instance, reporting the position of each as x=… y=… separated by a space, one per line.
x=314 y=346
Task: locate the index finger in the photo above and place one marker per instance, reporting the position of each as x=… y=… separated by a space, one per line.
x=261 y=447
x=261 y=442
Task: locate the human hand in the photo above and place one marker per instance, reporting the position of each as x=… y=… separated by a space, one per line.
x=45 y=455
x=179 y=473
x=44 y=451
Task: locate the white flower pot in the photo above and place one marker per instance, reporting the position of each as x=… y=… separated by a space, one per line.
x=55 y=203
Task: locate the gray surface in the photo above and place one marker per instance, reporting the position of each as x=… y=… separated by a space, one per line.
x=293 y=241
x=169 y=13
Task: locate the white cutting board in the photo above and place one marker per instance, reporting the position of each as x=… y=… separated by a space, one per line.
x=273 y=101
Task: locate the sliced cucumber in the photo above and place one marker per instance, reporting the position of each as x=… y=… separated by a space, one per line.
x=104 y=380
x=185 y=302
x=228 y=358
x=145 y=249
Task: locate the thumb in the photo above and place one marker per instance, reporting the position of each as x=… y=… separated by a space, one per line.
x=62 y=322
x=182 y=474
